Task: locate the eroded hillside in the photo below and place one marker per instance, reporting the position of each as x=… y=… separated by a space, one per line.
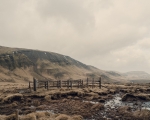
x=21 y=65
x=24 y=64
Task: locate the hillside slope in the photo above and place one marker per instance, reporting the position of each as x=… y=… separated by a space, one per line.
x=21 y=65
x=137 y=76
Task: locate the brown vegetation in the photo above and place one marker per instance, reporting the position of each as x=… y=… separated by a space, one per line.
x=72 y=104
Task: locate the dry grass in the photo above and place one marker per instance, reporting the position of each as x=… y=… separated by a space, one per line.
x=143 y=96
x=66 y=117
x=47 y=98
x=77 y=117
x=62 y=117
x=107 y=90
x=36 y=103
x=97 y=106
x=11 y=117
x=2 y=117
x=142 y=115
x=30 y=116
x=42 y=116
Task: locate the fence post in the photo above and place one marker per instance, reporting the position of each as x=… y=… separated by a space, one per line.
x=82 y=83
x=60 y=83
x=71 y=84
x=57 y=84
x=93 y=83
x=100 y=83
x=87 y=82
x=78 y=83
x=68 y=84
x=34 y=84
x=47 y=85
x=53 y=83
x=17 y=114
x=29 y=85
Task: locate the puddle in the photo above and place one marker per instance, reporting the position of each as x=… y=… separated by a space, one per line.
x=117 y=102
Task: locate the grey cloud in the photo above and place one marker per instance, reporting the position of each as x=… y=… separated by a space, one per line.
x=108 y=34
x=71 y=11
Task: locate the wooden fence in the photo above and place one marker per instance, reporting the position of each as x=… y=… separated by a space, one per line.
x=68 y=84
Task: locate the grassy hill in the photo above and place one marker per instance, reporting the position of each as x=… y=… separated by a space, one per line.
x=21 y=65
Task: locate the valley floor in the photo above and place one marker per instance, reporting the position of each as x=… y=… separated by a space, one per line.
x=112 y=101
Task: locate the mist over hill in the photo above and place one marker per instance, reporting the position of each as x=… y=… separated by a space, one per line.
x=137 y=76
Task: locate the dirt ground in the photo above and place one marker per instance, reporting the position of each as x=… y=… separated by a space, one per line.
x=72 y=104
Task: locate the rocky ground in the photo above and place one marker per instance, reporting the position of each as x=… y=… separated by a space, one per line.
x=76 y=104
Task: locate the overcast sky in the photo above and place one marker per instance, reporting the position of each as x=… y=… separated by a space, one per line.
x=108 y=34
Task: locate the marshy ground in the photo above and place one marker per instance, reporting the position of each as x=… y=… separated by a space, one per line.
x=112 y=101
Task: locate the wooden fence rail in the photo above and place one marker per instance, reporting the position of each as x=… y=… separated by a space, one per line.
x=68 y=84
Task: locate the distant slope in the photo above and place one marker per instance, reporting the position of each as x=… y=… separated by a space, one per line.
x=137 y=76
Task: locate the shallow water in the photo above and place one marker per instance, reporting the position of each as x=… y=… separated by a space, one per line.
x=117 y=102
